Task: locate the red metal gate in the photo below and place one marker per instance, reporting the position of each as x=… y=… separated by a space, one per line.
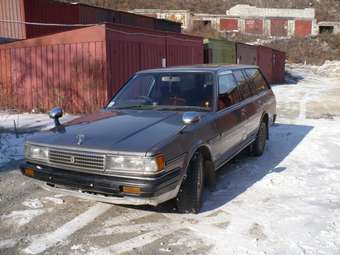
x=228 y=24
x=303 y=28
x=254 y=26
x=279 y=27
x=279 y=62
x=80 y=69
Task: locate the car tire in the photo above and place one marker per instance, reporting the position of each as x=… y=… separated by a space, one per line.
x=210 y=178
x=189 y=198
x=259 y=144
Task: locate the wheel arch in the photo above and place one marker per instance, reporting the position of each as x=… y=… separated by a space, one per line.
x=205 y=150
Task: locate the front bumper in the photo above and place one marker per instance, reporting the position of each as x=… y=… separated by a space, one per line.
x=106 y=188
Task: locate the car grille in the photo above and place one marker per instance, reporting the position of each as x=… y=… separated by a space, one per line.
x=77 y=160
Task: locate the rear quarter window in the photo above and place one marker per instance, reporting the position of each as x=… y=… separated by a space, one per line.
x=227 y=91
x=245 y=90
x=256 y=80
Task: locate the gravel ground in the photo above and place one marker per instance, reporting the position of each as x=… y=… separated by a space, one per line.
x=285 y=202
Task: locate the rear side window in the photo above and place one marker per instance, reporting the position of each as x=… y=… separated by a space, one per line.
x=244 y=88
x=227 y=91
x=256 y=80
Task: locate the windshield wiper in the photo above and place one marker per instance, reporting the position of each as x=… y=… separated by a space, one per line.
x=138 y=106
x=181 y=107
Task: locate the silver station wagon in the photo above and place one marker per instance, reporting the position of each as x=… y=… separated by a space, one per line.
x=161 y=137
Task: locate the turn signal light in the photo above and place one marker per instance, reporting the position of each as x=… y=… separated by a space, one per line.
x=160 y=161
x=132 y=190
x=29 y=171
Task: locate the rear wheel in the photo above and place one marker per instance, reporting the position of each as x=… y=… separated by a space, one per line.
x=189 y=198
x=259 y=144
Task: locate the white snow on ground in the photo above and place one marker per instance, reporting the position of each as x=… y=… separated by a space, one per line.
x=20 y=218
x=12 y=132
x=329 y=69
x=5 y=244
x=11 y=147
x=33 y=203
x=55 y=200
x=28 y=120
x=47 y=240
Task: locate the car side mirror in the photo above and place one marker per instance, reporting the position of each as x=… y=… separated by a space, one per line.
x=55 y=114
x=191 y=117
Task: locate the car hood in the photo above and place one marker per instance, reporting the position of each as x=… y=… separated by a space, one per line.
x=123 y=131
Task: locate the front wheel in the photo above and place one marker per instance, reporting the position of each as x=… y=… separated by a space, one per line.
x=189 y=198
x=260 y=142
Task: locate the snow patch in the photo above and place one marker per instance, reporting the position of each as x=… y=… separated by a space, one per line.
x=47 y=240
x=13 y=136
x=55 y=200
x=20 y=218
x=33 y=203
x=11 y=147
x=6 y=244
x=76 y=247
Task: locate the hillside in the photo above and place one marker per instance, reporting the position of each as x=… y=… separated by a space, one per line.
x=313 y=50
x=325 y=9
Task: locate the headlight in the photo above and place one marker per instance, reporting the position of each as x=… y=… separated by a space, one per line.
x=135 y=164
x=36 y=152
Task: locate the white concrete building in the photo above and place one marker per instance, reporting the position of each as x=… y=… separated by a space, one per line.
x=244 y=10
x=247 y=19
x=332 y=27
x=274 y=22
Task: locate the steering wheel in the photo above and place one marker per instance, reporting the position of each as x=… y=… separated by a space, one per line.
x=145 y=98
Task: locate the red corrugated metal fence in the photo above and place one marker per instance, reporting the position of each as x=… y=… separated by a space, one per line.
x=64 y=69
x=264 y=61
x=147 y=49
x=279 y=62
x=270 y=61
x=46 y=11
x=12 y=10
x=56 y=12
x=246 y=54
x=80 y=70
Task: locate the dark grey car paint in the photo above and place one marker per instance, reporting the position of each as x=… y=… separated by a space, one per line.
x=150 y=132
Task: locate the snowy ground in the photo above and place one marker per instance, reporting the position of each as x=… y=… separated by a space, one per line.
x=14 y=130
x=286 y=202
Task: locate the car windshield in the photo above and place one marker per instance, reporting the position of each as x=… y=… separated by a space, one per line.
x=167 y=91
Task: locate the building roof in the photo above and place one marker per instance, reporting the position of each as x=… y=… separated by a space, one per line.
x=158 y=11
x=245 y=10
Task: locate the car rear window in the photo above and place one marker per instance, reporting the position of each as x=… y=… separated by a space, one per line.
x=256 y=80
x=242 y=84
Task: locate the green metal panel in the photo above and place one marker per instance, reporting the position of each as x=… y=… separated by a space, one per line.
x=220 y=51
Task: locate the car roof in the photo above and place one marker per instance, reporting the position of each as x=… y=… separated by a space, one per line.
x=198 y=68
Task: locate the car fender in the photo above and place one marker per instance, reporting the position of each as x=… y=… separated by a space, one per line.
x=196 y=146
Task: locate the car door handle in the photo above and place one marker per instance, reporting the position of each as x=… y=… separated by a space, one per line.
x=243 y=112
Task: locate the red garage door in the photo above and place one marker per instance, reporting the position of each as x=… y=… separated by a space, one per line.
x=279 y=27
x=254 y=26
x=303 y=28
x=228 y=24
